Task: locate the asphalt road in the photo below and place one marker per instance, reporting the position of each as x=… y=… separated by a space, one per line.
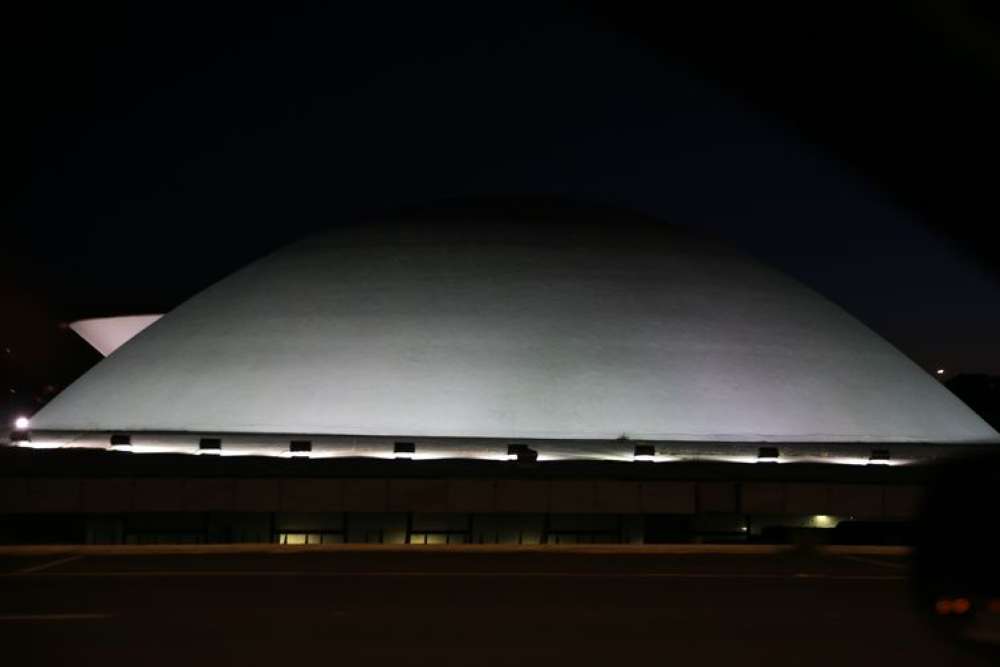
x=425 y=606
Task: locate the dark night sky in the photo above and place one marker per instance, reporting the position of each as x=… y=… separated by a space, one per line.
x=157 y=147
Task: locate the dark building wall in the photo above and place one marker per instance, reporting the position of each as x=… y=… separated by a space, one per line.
x=436 y=511
x=107 y=497
x=42 y=495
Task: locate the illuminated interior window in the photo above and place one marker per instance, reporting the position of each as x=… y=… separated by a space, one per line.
x=442 y=537
x=823 y=521
x=316 y=537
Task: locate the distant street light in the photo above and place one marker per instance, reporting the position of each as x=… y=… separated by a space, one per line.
x=22 y=423
x=940 y=371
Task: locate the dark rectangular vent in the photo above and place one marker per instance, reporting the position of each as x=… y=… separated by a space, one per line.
x=296 y=446
x=404 y=450
x=644 y=453
x=879 y=456
x=210 y=445
x=521 y=453
x=767 y=454
x=514 y=450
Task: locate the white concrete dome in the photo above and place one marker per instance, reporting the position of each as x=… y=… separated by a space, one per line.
x=552 y=323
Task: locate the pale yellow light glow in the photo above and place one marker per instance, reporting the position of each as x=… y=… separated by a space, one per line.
x=824 y=521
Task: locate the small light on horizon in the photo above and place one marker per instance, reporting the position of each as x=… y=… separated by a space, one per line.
x=22 y=423
x=940 y=371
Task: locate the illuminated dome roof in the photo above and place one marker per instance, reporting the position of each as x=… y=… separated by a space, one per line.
x=553 y=322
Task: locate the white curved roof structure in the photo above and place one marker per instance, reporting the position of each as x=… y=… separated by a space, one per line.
x=480 y=327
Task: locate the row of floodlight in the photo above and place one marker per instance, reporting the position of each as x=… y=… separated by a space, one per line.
x=519 y=453
x=121 y=442
x=304 y=448
x=773 y=455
